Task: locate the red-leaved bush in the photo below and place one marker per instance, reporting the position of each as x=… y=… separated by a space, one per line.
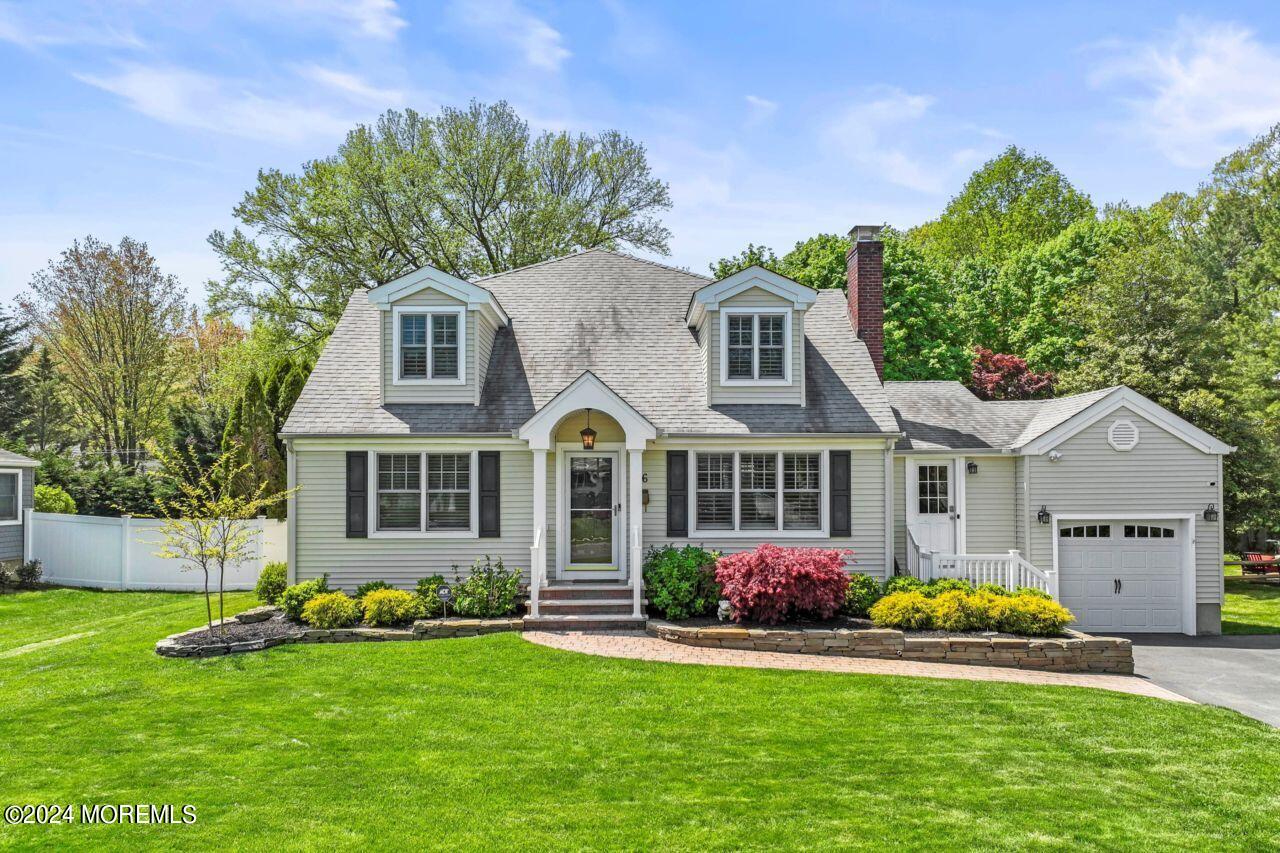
x=772 y=584
x=997 y=376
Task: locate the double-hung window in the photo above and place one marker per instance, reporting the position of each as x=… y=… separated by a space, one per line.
x=10 y=502
x=429 y=345
x=755 y=347
x=759 y=491
x=424 y=492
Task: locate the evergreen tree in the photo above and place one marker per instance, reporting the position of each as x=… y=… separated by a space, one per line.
x=251 y=435
x=48 y=415
x=13 y=390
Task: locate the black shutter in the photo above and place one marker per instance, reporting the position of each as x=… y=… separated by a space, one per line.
x=677 y=493
x=841 y=493
x=490 y=494
x=357 y=494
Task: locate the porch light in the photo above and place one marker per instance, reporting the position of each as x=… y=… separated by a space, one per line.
x=1043 y=515
x=1211 y=512
x=971 y=467
x=588 y=434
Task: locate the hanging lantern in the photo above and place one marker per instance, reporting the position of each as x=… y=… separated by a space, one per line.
x=1211 y=513
x=1043 y=515
x=588 y=434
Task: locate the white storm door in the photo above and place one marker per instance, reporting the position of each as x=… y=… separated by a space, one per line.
x=591 y=484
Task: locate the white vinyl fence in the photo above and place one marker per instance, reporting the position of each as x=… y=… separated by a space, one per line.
x=120 y=553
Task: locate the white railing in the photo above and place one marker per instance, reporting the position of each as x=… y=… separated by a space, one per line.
x=637 y=572
x=1010 y=570
x=537 y=570
x=913 y=555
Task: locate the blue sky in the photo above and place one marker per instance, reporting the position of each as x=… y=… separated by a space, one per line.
x=771 y=122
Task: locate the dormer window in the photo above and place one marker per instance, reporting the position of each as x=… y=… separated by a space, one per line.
x=756 y=347
x=429 y=344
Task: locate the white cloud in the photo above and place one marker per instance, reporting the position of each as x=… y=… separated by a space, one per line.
x=352 y=86
x=187 y=98
x=1198 y=91
x=377 y=19
x=865 y=132
x=43 y=26
x=508 y=23
x=760 y=109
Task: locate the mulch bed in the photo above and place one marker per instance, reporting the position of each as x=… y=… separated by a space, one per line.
x=238 y=632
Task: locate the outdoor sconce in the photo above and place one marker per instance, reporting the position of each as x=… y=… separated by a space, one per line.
x=644 y=498
x=1211 y=512
x=588 y=434
x=1043 y=515
x=971 y=467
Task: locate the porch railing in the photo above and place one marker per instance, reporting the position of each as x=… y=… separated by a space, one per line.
x=537 y=570
x=637 y=572
x=1010 y=570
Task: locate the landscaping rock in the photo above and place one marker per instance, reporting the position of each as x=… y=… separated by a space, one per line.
x=257 y=614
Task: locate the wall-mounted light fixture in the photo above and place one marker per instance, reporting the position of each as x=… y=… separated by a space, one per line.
x=1211 y=512
x=1043 y=515
x=971 y=467
x=1055 y=456
x=588 y=434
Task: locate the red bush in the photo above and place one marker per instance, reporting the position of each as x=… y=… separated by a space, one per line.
x=772 y=584
x=997 y=376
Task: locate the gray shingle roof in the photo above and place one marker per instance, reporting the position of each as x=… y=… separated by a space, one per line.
x=620 y=317
x=8 y=457
x=946 y=415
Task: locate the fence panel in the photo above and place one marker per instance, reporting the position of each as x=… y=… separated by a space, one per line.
x=121 y=553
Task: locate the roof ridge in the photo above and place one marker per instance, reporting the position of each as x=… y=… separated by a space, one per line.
x=569 y=255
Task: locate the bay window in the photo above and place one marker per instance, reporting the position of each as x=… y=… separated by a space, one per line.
x=422 y=493
x=756 y=491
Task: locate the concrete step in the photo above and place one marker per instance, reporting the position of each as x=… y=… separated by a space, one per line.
x=585 y=622
x=555 y=607
x=589 y=591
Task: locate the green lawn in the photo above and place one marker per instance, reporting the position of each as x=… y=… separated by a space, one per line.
x=496 y=742
x=1250 y=607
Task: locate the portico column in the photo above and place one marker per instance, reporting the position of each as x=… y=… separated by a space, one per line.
x=538 y=553
x=635 y=520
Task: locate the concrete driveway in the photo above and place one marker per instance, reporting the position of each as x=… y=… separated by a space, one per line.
x=1242 y=673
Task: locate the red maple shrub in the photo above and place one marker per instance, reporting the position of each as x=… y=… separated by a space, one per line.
x=997 y=376
x=772 y=584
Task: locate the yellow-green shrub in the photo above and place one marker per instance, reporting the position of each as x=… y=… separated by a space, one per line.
x=960 y=611
x=1032 y=616
x=331 y=610
x=907 y=611
x=392 y=607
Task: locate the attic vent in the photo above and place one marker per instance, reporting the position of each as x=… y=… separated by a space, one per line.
x=1123 y=435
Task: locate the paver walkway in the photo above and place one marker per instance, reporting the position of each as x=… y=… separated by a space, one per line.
x=637 y=646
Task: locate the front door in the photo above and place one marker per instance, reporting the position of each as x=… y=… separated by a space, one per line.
x=591 y=515
x=931 y=504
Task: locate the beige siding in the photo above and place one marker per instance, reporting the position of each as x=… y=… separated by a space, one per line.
x=485 y=332
x=989 y=505
x=1162 y=474
x=900 y=511
x=867 y=541
x=755 y=298
x=1021 y=515
x=392 y=393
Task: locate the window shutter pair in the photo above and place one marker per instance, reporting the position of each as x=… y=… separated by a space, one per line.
x=490 y=493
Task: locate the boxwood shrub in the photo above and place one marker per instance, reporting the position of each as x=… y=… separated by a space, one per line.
x=862 y=593
x=271 y=582
x=369 y=586
x=680 y=582
x=294 y=598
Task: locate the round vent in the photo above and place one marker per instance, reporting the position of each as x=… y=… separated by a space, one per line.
x=1123 y=435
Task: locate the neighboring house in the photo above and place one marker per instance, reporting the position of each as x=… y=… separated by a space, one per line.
x=448 y=420
x=17 y=484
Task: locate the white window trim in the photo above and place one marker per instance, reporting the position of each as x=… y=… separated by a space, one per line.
x=426 y=311
x=472 y=532
x=786 y=313
x=18 y=502
x=823 y=531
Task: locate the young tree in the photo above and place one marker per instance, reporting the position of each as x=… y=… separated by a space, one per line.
x=108 y=317
x=206 y=524
x=468 y=191
x=997 y=376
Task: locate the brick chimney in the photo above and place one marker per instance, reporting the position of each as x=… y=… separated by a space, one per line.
x=865 y=271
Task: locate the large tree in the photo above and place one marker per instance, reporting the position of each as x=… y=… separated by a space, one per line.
x=14 y=390
x=469 y=191
x=109 y=318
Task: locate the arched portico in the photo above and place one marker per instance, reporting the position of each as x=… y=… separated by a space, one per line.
x=588 y=392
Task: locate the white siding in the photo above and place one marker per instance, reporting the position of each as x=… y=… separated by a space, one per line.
x=755 y=298
x=1162 y=474
x=989 y=506
x=392 y=393
x=900 y=511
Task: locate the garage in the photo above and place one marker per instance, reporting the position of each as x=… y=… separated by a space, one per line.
x=1122 y=575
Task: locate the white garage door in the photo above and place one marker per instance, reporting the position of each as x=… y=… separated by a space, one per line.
x=1122 y=575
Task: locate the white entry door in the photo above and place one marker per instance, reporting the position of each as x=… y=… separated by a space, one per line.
x=590 y=519
x=931 y=503
x=1122 y=575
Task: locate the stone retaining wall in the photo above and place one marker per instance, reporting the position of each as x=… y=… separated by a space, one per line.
x=1074 y=653
x=423 y=629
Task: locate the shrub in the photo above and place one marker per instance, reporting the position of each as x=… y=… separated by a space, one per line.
x=271 y=582
x=54 y=499
x=369 y=586
x=6 y=577
x=1033 y=591
x=956 y=610
x=429 y=592
x=902 y=583
x=29 y=573
x=331 y=610
x=1032 y=616
x=294 y=598
x=863 y=591
x=490 y=591
x=681 y=582
x=391 y=607
x=907 y=611
x=938 y=586
x=992 y=589
x=772 y=584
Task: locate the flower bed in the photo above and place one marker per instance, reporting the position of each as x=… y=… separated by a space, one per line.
x=1073 y=652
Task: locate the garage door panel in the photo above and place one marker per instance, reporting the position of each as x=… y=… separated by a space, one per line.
x=1099 y=587
x=1165 y=590
x=1148 y=569
x=1099 y=559
x=1134 y=560
x=1164 y=560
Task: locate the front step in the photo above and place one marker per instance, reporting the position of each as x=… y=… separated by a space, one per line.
x=589 y=591
x=585 y=622
x=578 y=606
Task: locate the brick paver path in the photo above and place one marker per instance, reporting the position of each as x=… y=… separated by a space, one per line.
x=620 y=644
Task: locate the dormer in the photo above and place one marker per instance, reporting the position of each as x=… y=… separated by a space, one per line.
x=750 y=328
x=437 y=333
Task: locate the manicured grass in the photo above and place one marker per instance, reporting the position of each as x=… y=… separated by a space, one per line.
x=496 y=742
x=1250 y=607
